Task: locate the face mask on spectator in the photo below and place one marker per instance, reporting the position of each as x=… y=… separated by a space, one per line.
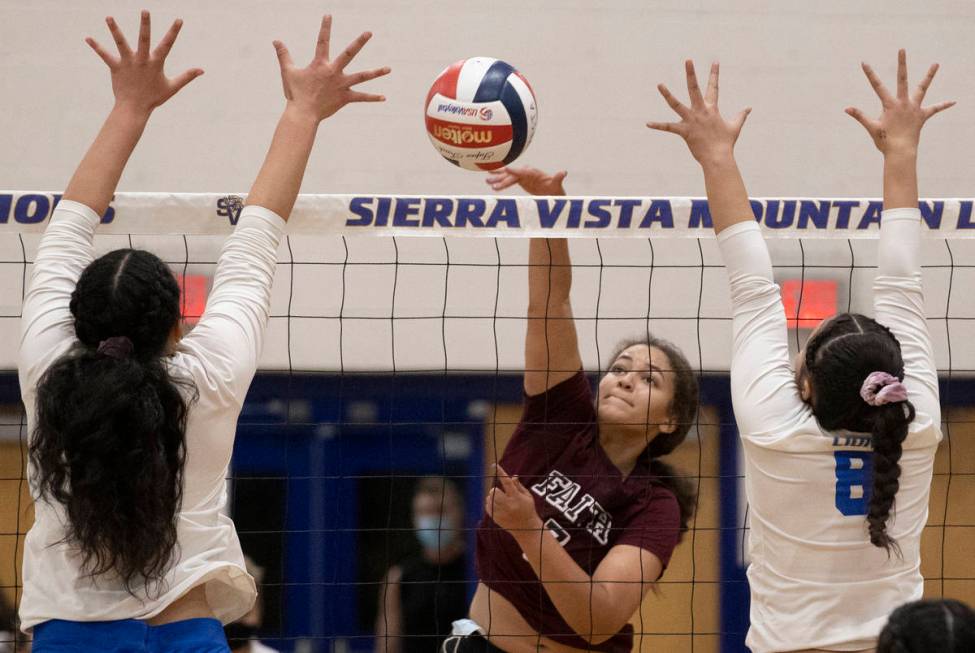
x=435 y=532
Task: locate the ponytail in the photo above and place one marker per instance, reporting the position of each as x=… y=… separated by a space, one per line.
x=889 y=432
x=856 y=371
x=109 y=440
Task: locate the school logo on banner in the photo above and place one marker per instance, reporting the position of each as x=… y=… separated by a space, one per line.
x=229 y=207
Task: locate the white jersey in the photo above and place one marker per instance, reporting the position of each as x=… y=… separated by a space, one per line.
x=220 y=356
x=816 y=580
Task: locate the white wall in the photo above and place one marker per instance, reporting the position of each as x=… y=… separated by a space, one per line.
x=593 y=66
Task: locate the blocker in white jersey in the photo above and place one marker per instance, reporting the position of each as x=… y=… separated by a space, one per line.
x=815 y=578
x=481 y=113
x=132 y=425
x=830 y=445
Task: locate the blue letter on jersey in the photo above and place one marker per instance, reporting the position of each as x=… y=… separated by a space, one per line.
x=854 y=474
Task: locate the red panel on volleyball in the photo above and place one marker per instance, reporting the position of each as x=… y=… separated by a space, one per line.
x=809 y=302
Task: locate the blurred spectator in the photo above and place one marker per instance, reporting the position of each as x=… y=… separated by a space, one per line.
x=425 y=593
x=242 y=634
x=933 y=625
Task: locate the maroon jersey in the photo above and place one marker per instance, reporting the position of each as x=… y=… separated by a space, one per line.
x=583 y=500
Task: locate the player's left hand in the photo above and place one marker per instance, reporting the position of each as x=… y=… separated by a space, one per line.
x=323 y=87
x=898 y=129
x=512 y=507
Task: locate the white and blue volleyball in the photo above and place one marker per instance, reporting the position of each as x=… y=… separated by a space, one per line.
x=481 y=113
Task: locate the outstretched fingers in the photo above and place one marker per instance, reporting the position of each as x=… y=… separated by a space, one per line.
x=938 y=108
x=284 y=57
x=182 y=80
x=885 y=97
x=673 y=102
x=501 y=178
x=367 y=75
x=711 y=96
x=861 y=118
x=355 y=96
x=166 y=44
x=109 y=60
x=693 y=88
x=740 y=119
x=145 y=35
x=324 y=38
x=123 y=46
x=901 y=74
x=349 y=53
x=672 y=127
x=922 y=88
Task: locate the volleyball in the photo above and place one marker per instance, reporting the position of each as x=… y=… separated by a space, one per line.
x=481 y=113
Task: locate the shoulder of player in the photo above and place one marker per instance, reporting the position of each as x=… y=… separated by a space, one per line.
x=651 y=501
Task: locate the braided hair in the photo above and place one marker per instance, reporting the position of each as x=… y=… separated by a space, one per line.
x=109 y=442
x=683 y=409
x=838 y=359
x=943 y=625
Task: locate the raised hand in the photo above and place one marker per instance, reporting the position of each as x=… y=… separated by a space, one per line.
x=322 y=88
x=902 y=116
x=708 y=135
x=532 y=180
x=138 y=78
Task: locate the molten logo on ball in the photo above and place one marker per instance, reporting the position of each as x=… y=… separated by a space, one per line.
x=461 y=134
x=481 y=113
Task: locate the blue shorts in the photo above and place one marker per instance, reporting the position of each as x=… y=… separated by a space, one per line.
x=129 y=636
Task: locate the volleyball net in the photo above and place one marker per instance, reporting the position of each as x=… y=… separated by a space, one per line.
x=394 y=356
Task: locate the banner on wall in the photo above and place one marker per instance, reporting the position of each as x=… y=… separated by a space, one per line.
x=490 y=216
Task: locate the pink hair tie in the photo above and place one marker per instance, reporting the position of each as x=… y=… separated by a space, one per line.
x=117 y=347
x=881 y=388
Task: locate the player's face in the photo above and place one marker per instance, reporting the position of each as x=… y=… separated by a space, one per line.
x=638 y=391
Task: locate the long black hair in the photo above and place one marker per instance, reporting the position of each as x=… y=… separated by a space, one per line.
x=838 y=360
x=683 y=411
x=943 y=625
x=109 y=442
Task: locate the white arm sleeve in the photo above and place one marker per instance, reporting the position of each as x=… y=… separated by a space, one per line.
x=230 y=335
x=46 y=325
x=763 y=389
x=899 y=305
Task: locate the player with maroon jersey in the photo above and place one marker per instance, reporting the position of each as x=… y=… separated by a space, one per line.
x=583 y=517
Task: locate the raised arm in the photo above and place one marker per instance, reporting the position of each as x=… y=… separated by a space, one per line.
x=764 y=392
x=313 y=94
x=711 y=140
x=139 y=85
x=551 y=343
x=230 y=334
x=898 y=294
